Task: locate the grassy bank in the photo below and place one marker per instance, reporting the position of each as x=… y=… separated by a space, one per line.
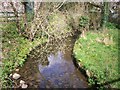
x=15 y=49
x=97 y=53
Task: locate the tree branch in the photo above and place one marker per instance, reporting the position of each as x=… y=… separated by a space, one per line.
x=16 y=15
x=98 y=6
x=60 y=5
x=14 y=9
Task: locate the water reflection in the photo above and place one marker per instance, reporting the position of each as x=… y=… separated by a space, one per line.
x=60 y=73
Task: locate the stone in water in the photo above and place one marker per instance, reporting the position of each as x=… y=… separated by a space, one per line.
x=16 y=76
x=24 y=86
x=22 y=82
x=17 y=70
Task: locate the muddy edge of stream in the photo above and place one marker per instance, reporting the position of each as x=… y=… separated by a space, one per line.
x=61 y=67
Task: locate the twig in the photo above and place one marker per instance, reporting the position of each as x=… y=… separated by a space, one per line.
x=60 y=5
x=98 y=6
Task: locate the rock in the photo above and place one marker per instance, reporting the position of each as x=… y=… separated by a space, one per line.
x=16 y=76
x=22 y=82
x=80 y=65
x=9 y=42
x=108 y=41
x=47 y=86
x=17 y=70
x=24 y=86
x=98 y=40
x=10 y=75
x=88 y=73
x=36 y=86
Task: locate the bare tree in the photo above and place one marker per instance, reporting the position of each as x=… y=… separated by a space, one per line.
x=25 y=13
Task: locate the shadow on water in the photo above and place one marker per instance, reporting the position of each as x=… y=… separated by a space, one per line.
x=60 y=72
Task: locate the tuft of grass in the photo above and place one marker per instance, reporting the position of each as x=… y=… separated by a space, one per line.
x=98 y=52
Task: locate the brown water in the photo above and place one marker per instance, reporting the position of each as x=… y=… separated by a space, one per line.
x=60 y=72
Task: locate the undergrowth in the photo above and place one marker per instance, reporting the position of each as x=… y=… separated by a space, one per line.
x=15 y=49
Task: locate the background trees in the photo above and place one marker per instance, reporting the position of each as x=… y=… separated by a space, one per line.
x=98 y=13
x=31 y=23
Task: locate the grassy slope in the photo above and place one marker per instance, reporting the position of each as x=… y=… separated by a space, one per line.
x=15 y=49
x=98 y=57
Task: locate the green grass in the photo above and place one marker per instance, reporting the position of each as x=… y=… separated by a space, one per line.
x=15 y=50
x=99 y=58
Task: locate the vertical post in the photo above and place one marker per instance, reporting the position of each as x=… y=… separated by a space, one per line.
x=104 y=14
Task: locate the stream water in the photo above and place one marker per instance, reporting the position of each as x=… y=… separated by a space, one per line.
x=60 y=72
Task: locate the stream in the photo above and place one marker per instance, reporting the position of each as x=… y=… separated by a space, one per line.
x=59 y=72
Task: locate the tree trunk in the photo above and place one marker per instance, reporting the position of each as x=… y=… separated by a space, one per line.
x=104 y=14
x=25 y=14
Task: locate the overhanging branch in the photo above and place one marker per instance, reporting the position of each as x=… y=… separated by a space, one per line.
x=95 y=5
